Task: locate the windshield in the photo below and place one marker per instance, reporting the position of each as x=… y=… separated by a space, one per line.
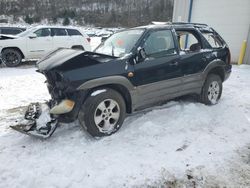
x=120 y=44
x=27 y=32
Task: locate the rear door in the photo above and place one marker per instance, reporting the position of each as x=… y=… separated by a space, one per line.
x=158 y=77
x=60 y=38
x=78 y=39
x=194 y=57
x=75 y=37
x=40 y=45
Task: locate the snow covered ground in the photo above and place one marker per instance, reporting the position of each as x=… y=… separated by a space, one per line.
x=180 y=144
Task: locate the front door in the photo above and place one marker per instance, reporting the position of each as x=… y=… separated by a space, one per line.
x=40 y=45
x=158 y=77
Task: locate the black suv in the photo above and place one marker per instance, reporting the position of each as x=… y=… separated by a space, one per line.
x=135 y=69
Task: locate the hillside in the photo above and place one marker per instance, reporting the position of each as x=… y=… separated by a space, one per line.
x=96 y=12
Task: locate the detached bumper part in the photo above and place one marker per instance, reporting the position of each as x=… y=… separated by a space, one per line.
x=38 y=122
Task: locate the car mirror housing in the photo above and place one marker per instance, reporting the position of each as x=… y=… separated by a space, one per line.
x=141 y=54
x=32 y=36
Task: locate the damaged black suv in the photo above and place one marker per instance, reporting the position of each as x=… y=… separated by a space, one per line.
x=132 y=70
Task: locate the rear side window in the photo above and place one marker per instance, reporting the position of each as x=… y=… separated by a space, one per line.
x=213 y=40
x=188 y=41
x=8 y=31
x=73 y=32
x=59 y=32
x=159 y=43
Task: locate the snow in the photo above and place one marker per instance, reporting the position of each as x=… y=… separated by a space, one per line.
x=44 y=117
x=21 y=85
x=97 y=92
x=182 y=143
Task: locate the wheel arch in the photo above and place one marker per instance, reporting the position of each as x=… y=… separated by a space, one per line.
x=15 y=48
x=122 y=90
x=215 y=67
x=118 y=83
x=218 y=71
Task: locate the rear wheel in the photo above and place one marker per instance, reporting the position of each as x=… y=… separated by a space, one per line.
x=103 y=112
x=212 y=90
x=11 y=57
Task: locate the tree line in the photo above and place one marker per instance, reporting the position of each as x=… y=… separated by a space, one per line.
x=98 y=12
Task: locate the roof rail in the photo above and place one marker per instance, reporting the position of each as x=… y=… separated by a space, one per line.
x=160 y=23
x=178 y=23
x=188 y=23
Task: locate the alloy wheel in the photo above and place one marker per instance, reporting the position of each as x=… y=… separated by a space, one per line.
x=213 y=92
x=107 y=115
x=11 y=58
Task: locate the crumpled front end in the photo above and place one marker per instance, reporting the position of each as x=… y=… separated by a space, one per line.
x=41 y=119
x=64 y=70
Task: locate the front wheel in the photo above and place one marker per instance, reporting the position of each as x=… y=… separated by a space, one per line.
x=212 y=90
x=103 y=112
x=11 y=57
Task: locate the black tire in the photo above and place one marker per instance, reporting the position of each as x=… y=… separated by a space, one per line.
x=11 y=57
x=208 y=95
x=89 y=111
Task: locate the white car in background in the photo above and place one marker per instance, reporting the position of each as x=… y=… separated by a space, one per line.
x=36 y=42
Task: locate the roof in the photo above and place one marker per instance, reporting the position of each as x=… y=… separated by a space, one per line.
x=55 y=26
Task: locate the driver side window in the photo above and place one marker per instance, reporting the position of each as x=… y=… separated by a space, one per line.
x=42 y=32
x=159 y=43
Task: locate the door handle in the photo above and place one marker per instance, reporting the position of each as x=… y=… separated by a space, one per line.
x=175 y=63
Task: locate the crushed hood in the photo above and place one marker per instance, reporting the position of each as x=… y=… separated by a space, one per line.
x=66 y=58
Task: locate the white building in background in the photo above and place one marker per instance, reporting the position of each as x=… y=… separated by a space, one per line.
x=230 y=18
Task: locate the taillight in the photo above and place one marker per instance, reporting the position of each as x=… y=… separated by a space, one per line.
x=89 y=39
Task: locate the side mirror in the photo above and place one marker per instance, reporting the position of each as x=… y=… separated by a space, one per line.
x=32 y=36
x=141 y=54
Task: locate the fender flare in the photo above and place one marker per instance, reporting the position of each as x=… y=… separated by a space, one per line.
x=217 y=63
x=113 y=80
x=121 y=80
